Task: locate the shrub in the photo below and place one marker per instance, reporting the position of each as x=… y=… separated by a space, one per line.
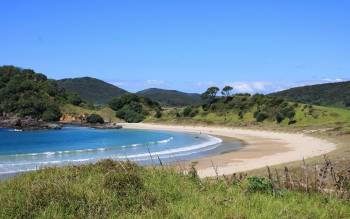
x=158 y=114
x=74 y=99
x=288 y=112
x=261 y=116
x=292 y=122
x=259 y=184
x=95 y=118
x=240 y=114
x=279 y=118
x=190 y=111
x=129 y=114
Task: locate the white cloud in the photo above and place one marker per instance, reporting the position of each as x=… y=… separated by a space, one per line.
x=249 y=87
x=252 y=87
x=118 y=83
x=154 y=82
x=243 y=88
x=333 y=80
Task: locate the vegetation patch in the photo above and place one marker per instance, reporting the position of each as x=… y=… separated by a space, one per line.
x=133 y=108
x=95 y=118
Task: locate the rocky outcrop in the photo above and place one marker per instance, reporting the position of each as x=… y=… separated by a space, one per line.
x=26 y=123
x=102 y=126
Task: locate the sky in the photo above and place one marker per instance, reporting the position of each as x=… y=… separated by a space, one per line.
x=254 y=46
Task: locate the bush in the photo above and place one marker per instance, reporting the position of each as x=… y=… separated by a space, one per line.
x=158 y=114
x=128 y=114
x=95 y=118
x=291 y=122
x=279 y=118
x=261 y=116
x=240 y=114
x=259 y=184
x=288 y=112
x=74 y=99
x=133 y=108
x=190 y=111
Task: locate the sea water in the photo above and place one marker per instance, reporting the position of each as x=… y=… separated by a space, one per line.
x=26 y=151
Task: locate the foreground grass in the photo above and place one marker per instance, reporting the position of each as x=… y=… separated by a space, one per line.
x=124 y=190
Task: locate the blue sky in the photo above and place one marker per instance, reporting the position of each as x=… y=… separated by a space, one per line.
x=256 y=46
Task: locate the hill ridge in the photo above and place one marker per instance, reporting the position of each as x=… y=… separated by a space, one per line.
x=336 y=94
x=91 y=89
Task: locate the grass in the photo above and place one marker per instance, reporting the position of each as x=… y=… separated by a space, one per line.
x=110 y=189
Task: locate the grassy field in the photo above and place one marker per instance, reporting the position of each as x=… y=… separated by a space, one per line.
x=123 y=190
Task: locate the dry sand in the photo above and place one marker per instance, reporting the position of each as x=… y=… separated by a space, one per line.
x=262 y=148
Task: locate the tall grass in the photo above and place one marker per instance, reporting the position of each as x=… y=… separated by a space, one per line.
x=112 y=189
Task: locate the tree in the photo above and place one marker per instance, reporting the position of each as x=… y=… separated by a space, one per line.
x=226 y=91
x=210 y=93
x=52 y=114
x=74 y=99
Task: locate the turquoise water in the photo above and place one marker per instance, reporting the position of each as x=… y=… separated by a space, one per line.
x=25 y=151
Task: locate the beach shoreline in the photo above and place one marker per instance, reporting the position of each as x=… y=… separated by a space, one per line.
x=260 y=148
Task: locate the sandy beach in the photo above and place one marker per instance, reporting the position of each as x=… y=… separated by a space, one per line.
x=262 y=148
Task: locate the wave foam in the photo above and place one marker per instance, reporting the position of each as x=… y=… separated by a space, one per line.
x=51 y=153
x=212 y=141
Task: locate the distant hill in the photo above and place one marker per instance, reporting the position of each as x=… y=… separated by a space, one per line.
x=171 y=97
x=330 y=94
x=91 y=89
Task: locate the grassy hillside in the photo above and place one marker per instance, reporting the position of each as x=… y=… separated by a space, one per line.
x=171 y=97
x=91 y=89
x=305 y=116
x=330 y=94
x=123 y=190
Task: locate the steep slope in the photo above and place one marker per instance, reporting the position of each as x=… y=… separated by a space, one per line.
x=171 y=97
x=91 y=89
x=330 y=94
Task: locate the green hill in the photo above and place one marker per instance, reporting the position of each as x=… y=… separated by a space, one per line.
x=171 y=97
x=244 y=109
x=91 y=89
x=330 y=94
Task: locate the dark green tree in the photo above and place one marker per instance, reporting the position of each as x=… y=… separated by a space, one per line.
x=226 y=91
